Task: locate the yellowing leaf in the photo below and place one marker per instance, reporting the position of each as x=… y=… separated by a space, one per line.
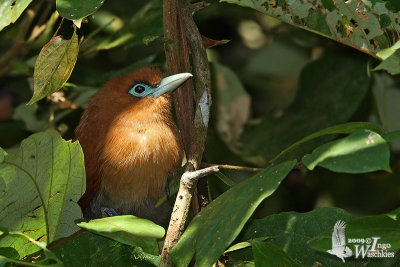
x=54 y=66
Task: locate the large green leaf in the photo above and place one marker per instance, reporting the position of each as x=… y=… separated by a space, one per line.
x=77 y=9
x=41 y=184
x=345 y=128
x=368 y=26
x=88 y=249
x=331 y=90
x=294 y=232
x=10 y=10
x=268 y=254
x=54 y=66
x=384 y=227
x=129 y=230
x=215 y=227
x=362 y=151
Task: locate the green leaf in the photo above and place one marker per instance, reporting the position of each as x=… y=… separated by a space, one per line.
x=10 y=253
x=346 y=128
x=77 y=9
x=292 y=231
x=266 y=253
x=10 y=10
x=391 y=64
x=245 y=244
x=3 y=154
x=391 y=57
x=382 y=226
x=331 y=90
x=42 y=181
x=54 y=66
x=129 y=230
x=48 y=258
x=392 y=136
x=216 y=226
x=364 y=25
x=362 y=151
x=88 y=249
x=33 y=120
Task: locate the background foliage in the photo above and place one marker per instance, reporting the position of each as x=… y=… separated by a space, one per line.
x=320 y=72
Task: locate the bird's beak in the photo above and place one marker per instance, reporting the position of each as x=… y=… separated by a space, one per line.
x=170 y=83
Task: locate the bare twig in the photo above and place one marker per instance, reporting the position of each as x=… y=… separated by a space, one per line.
x=181 y=209
x=232 y=167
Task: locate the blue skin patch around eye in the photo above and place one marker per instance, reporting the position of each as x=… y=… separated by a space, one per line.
x=141 y=90
x=166 y=85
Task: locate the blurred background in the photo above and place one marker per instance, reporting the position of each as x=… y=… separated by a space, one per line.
x=273 y=84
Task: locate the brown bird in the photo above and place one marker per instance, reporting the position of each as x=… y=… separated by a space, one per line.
x=131 y=144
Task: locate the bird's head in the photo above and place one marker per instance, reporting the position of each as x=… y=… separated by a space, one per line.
x=146 y=86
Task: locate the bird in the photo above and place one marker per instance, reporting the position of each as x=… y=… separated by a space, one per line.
x=339 y=248
x=131 y=145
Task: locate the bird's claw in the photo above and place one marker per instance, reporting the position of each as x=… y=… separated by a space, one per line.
x=108 y=212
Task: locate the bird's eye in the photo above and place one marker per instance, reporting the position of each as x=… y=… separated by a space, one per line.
x=139 y=89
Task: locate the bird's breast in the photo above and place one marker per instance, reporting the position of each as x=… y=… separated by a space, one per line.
x=136 y=158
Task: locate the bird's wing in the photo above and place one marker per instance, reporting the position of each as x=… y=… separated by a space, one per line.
x=88 y=137
x=338 y=235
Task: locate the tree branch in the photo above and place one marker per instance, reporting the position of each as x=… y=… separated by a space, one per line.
x=180 y=27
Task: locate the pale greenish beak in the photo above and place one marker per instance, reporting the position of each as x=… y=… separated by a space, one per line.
x=170 y=83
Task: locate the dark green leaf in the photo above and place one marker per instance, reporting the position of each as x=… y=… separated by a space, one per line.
x=43 y=181
x=268 y=254
x=346 y=128
x=215 y=227
x=382 y=226
x=362 y=151
x=129 y=230
x=245 y=244
x=88 y=249
x=77 y=9
x=54 y=66
x=292 y=231
x=392 y=136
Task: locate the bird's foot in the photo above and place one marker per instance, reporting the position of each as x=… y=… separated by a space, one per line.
x=108 y=212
